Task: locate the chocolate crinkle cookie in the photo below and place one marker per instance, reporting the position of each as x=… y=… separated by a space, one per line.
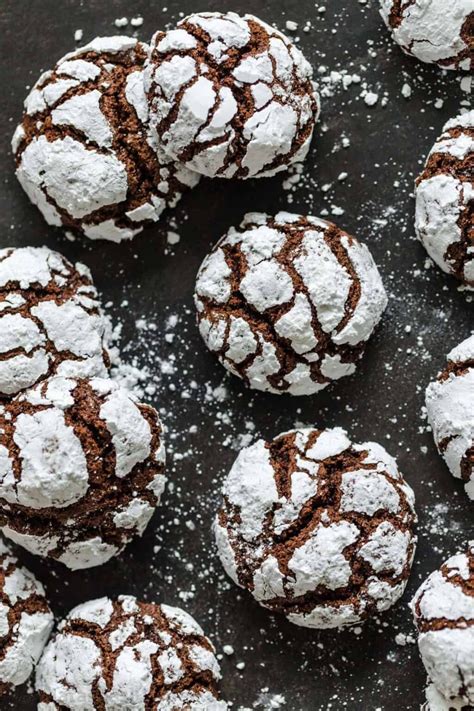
x=443 y=609
x=25 y=621
x=50 y=320
x=231 y=96
x=445 y=200
x=81 y=469
x=288 y=302
x=125 y=655
x=317 y=528
x=84 y=152
x=450 y=408
x=434 y=31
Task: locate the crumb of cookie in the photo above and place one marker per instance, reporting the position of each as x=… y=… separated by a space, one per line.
x=450 y=409
x=317 y=528
x=26 y=621
x=445 y=200
x=288 y=302
x=82 y=469
x=443 y=610
x=50 y=320
x=84 y=153
x=127 y=654
x=231 y=96
x=434 y=31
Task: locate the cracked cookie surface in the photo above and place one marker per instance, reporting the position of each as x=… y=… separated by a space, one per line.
x=450 y=409
x=85 y=155
x=317 y=528
x=25 y=621
x=434 y=31
x=81 y=469
x=443 y=610
x=230 y=96
x=287 y=303
x=50 y=320
x=126 y=655
x=444 y=195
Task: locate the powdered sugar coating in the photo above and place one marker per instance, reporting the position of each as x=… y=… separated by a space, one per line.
x=433 y=31
x=317 y=528
x=437 y=702
x=288 y=303
x=443 y=609
x=125 y=654
x=25 y=621
x=230 y=96
x=81 y=469
x=450 y=408
x=85 y=154
x=50 y=319
x=445 y=199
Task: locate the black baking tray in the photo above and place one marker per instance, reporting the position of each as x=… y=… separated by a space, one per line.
x=147 y=281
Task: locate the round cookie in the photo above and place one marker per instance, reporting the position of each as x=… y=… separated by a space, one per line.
x=434 y=31
x=445 y=200
x=230 y=96
x=125 y=654
x=317 y=528
x=84 y=152
x=81 y=469
x=443 y=609
x=50 y=319
x=25 y=621
x=287 y=303
x=450 y=408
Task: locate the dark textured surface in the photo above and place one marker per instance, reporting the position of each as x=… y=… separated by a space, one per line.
x=382 y=401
